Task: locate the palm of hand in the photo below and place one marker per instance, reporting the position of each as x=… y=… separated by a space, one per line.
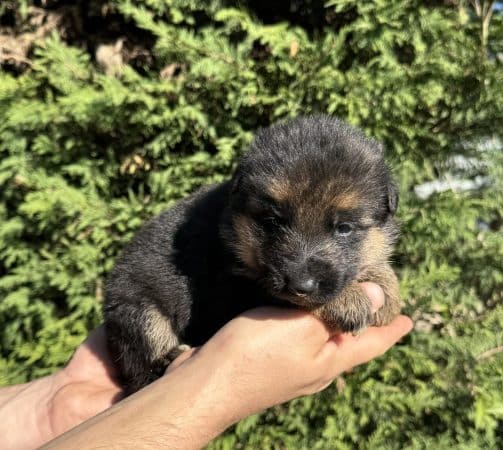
x=86 y=386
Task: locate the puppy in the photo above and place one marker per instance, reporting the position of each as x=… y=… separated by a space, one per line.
x=307 y=215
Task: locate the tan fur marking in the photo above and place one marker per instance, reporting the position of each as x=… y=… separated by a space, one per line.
x=347 y=200
x=279 y=190
x=385 y=277
x=375 y=248
x=246 y=243
x=367 y=221
x=159 y=332
x=375 y=267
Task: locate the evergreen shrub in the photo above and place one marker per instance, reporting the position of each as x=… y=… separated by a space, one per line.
x=112 y=110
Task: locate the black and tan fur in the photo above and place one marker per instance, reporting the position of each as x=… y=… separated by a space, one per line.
x=308 y=214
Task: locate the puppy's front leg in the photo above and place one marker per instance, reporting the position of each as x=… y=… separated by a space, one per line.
x=349 y=312
x=385 y=277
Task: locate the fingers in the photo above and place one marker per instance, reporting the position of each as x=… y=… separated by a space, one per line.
x=355 y=350
x=374 y=293
x=279 y=324
x=290 y=320
x=92 y=359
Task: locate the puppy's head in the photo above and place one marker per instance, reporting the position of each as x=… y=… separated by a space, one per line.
x=311 y=206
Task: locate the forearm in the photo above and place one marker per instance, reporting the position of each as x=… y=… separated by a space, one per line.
x=8 y=392
x=183 y=410
x=25 y=417
x=261 y=358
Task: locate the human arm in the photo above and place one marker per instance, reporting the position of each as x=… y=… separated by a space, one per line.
x=262 y=358
x=36 y=412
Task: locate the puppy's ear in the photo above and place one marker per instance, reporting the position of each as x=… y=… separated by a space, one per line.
x=392 y=197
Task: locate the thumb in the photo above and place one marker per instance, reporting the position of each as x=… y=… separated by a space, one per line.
x=373 y=342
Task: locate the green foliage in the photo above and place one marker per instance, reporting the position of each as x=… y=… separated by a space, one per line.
x=87 y=154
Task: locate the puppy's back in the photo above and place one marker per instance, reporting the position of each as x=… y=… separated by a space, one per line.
x=149 y=293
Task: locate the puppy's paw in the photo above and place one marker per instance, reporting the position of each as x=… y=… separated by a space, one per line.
x=349 y=312
x=355 y=321
x=160 y=365
x=346 y=318
x=385 y=277
x=175 y=352
x=387 y=312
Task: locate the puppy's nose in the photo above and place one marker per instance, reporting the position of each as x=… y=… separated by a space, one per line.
x=303 y=286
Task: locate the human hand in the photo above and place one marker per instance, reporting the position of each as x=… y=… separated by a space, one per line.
x=268 y=355
x=86 y=386
x=36 y=412
x=261 y=358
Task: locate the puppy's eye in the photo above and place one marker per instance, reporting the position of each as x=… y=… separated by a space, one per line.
x=344 y=229
x=272 y=219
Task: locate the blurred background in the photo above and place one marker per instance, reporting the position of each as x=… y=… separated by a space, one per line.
x=111 y=110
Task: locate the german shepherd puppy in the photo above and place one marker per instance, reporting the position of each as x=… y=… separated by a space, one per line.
x=307 y=214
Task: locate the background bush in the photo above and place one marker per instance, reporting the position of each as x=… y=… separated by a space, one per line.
x=110 y=111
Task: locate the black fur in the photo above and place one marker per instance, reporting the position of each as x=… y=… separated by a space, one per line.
x=189 y=270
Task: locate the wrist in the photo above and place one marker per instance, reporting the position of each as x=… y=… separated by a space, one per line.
x=46 y=408
x=26 y=420
x=207 y=406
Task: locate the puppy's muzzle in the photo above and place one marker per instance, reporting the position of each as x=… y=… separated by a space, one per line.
x=301 y=286
x=300 y=280
x=312 y=280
